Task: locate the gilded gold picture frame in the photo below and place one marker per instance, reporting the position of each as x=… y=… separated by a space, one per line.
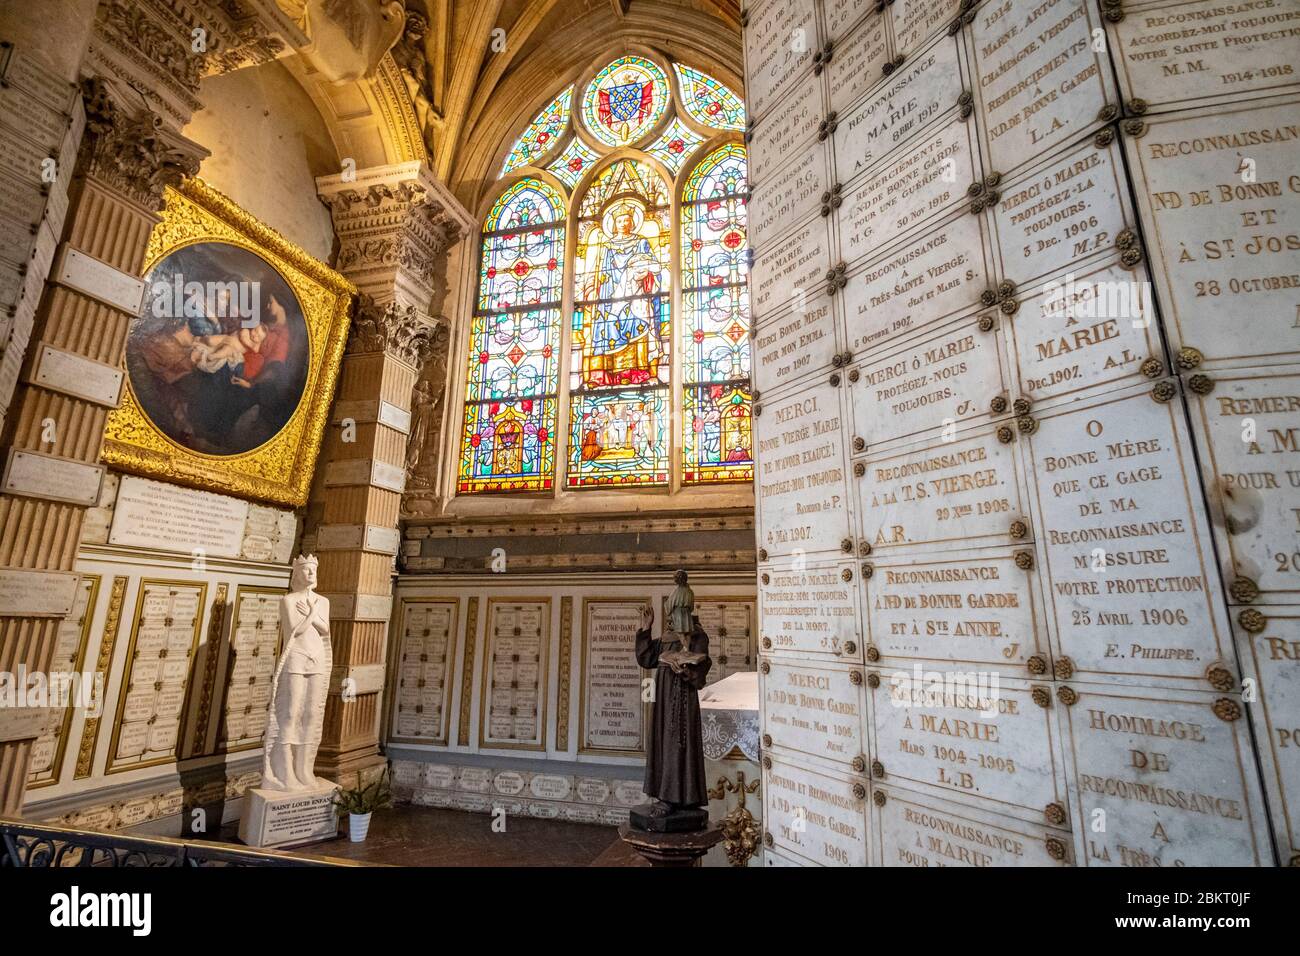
x=278 y=469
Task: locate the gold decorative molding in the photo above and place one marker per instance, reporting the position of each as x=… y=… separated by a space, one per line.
x=216 y=622
x=281 y=469
x=467 y=672
x=566 y=653
x=112 y=624
x=739 y=830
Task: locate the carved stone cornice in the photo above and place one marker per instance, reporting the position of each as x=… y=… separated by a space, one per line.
x=130 y=149
x=401 y=331
x=395 y=224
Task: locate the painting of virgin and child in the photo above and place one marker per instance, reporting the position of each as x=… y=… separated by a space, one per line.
x=218 y=357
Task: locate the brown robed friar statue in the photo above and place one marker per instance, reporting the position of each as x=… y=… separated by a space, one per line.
x=674 y=766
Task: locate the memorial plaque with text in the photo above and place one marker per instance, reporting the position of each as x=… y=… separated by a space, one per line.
x=1177 y=782
x=793 y=345
x=858 y=63
x=1273 y=658
x=939 y=275
x=1127 y=564
x=980 y=610
x=730 y=626
x=1248 y=431
x=613 y=714
x=815 y=816
x=254 y=648
x=1224 y=235
x=815 y=711
x=964 y=493
x=802 y=479
x=974 y=735
x=1090 y=329
x=789 y=131
x=1039 y=82
x=791 y=270
x=908 y=192
x=838 y=15
x=513 y=709
x=914 y=20
x=1061 y=213
x=914 y=96
x=69 y=658
x=787 y=197
x=938 y=380
x=930 y=832
x=779 y=42
x=422 y=698
x=1180 y=55
x=809 y=610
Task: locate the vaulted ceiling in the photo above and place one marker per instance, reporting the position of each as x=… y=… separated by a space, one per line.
x=487 y=84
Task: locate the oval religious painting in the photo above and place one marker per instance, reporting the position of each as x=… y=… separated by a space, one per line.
x=219 y=355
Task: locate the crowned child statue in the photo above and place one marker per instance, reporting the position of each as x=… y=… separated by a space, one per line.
x=298 y=691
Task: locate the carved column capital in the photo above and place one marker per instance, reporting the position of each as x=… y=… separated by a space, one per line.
x=403 y=332
x=130 y=149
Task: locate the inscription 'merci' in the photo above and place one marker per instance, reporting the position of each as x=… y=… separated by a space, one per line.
x=814 y=710
x=964 y=492
x=808 y=609
x=796 y=344
x=1127 y=549
x=1038 y=81
x=1176 y=783
x=801 y=474
x=1224 y=245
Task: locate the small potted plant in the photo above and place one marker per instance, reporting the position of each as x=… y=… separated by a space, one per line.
x=360 y=802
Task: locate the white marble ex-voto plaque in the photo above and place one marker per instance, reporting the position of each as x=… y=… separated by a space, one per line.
x=816 y=816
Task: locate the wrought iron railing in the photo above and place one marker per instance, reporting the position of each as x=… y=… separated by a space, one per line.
x=25 y=844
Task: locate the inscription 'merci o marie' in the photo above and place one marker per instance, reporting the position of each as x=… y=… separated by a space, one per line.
x=914 y=97
x=1220 y=200
x=928 y=831
x=1128 y=564
x=795 y=344
x=981 y=611
x=779 y=43
x=1273 y=659
x=809 y=608
x=814 y=710
x=787 y=197
x=815 y=816
x=1249 y=431
x=1177 y=782
x=1039 y=82
x=939 y=274
x=939 y=727
x=961 y=493
x=802 y=487
x=935 y=381
x=792 y=270
x=858 y=63
x=1085 y=330
x=789 y=130
x=1061 y=213
x=1179 y=55
x=927 y=181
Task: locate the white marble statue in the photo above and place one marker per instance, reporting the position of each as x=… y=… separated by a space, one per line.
x=298 y=692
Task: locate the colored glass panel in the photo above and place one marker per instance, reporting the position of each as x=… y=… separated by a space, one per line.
x=513 y=354
x=508 y=446
x=715 y=243
x=543 y=133
x=675 y=146
x=522 y=268
x=619 y=439
x=718 y=435
x=716 y=347
x=572 y=164
x=624 y=176
x=708 y=101
x=529 y=202
x=625 y=100
x=721 y=173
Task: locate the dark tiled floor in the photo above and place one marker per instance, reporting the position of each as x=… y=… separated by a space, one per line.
x=428 y=836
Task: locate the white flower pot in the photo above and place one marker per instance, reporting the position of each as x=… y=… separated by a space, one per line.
x=358 y=826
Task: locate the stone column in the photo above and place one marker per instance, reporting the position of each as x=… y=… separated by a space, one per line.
x=395 y=225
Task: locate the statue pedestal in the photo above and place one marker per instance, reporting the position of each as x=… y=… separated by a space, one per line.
x=658 y=818
x=670 y=849
x=278 y=818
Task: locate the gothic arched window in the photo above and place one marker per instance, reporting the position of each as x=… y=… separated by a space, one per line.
x=623 y=361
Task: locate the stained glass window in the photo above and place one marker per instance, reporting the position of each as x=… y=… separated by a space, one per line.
x=708 y=101
x=675 y=146
x=543 y=133
x=621 y=356
x=717 y=438
x=625 y=100
x=508 y=442
x=617 y=360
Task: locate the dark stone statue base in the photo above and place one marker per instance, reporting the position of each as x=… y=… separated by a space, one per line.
x=660 y=817
x=671 y=849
